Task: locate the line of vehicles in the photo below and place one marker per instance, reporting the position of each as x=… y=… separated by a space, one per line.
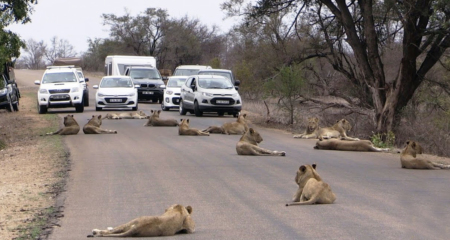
x=128 y=79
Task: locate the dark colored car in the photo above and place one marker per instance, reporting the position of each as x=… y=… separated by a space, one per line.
x=9 y=94
x=151 y=83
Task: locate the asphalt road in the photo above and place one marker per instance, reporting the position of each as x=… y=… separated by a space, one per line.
x=143 y=170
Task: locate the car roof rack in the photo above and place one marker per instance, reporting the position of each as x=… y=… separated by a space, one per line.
x=56 y=67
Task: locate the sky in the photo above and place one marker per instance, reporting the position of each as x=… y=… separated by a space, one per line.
x=77 y=21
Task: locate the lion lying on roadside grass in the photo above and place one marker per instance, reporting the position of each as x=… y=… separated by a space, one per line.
x=311 y=188
x=338 y=130
x=176 y=219
x=337 y=144
x=411 y=158
x=248 y=145
x=93 y=126
x=154 y=120
x=238 y=127
x=311 y=129
x=71 y=127
x=184 y=129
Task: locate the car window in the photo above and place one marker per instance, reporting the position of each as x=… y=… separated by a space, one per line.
x=56 y=77
x=223 y=74
x=80 y=75
x=144 y=74
x=185 y=72
x=116 y=83
x=215 y=83
x=175 y=82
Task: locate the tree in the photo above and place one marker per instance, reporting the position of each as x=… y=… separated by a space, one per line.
x=12 y=11
x=356 y=34
x=59 y=48
x=35 y=54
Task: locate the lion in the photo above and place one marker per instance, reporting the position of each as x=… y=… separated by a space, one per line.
x=338 y=130
x=311 y=130
x=175 y=219
x=311 y=188
x=183 y=129
x=337 y=144
x=410 y=160
x=93 y=126
x=154 y=120
x=248 y=145
x=112 y=116
x=238 y=127
x=71 y=127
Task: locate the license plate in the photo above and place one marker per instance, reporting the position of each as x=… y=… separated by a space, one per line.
x=222 y=102
x=147 y=93
x=115 y=100
x=59 y=96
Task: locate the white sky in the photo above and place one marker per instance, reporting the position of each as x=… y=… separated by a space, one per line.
x=77 y=21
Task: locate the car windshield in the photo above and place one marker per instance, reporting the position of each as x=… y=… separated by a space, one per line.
x=57 y=77
x=144 y=74
x=215 y=83
x=175 y=82
x=186 y=72
x=223 y=74
x=80 y=75
x=116 y=83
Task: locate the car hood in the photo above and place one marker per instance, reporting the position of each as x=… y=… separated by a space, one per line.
x=219 y=91
x=174 y=89
x=60 y=85
x=147 y=81
x=116 y=91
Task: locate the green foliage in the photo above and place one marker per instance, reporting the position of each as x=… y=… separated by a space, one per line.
x=215 y=63
x=383 y=140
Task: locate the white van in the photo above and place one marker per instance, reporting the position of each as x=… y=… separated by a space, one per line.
x=209 y=93
x=188 y=70
x=117 y=64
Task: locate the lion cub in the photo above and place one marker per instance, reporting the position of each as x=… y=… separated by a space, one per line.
x=175 y=219
x=311 y=188
x=410 y=160
x=238 y=127
x=71 y=127
x=93 y=126
x=154 y=120
x=184 y=129
x=248 y=145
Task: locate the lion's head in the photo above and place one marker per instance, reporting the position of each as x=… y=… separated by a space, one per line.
x=412 y=148
x=252 y=136
x=96 y=120
x=155 y=114
x=304 y=173
x=344 y=124
x=313 y=125
x=69 y=120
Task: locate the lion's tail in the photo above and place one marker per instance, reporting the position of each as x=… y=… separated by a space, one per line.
x=440 y=165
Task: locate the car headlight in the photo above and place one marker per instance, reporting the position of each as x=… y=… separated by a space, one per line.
x=75 y=89
x=43 y=90
x=235 y=95
x=3 y=91
x=207 y=94
x=132 y=94
x=100 y=94
x=162 y=86
x=169 y=92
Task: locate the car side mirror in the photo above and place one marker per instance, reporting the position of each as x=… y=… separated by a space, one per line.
x=95 y=87
x=37 y=82
x=164 y=78
x=237 y=88
x=237 y=83
x=86 y=79
x=193 y=87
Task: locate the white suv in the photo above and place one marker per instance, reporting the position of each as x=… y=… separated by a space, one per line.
x=209 y=93
x=60 y=87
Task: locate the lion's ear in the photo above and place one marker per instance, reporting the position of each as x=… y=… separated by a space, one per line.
x=314 y=165
x=151 y=111
x=159 y=111
x=189 y=209
x=251 y=130
x=245 y=115
x=302 y=168
x=187 y=120
x=407 y=142
x=99 y=117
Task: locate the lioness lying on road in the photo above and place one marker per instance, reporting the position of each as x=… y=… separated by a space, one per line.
x=127 y=115
x=154 y=120
x=338 y=130
x=184 y=129
x=311 y=130
x=93 y=126
x=337 y=144
x=411 y=158
x=248 y=145
x=311 y=188
x=71 y=127
x=176 y=219
x=237 y=127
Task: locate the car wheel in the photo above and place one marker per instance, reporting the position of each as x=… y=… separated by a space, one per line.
x=86 y=101
x=197 y=111
x=79 y=107
x=42 y=109
x=236 y=114
x=135 y=108
x=182 y=110
x=10 y=108
x=160 y=100
x=164 y=108
x=98 y=109
x=16 y=106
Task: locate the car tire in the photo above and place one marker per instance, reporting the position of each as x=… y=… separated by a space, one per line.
x=98 y=109
x=86 y=100
x=182 y=110
x=42 y=109
x=197 y=111
x=163 y=107
x=10 y=107
x=16 y=106
x=79 y=107
x=236 y=114
x=135 y=108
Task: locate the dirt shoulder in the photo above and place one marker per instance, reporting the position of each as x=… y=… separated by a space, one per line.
x=32 y=169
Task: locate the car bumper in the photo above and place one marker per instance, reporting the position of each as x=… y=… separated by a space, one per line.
x=116 y=102
x=172 y=101
x=150 y=94
x=59 y=100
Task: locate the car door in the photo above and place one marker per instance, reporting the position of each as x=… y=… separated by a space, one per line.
x=188 y=93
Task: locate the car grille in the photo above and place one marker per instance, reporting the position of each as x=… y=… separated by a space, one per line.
x=178 y=94
x=148 y=85
x=51 y=91
x=230 y=101
x=176 y=100
x=109 y=100
x=60 y=97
